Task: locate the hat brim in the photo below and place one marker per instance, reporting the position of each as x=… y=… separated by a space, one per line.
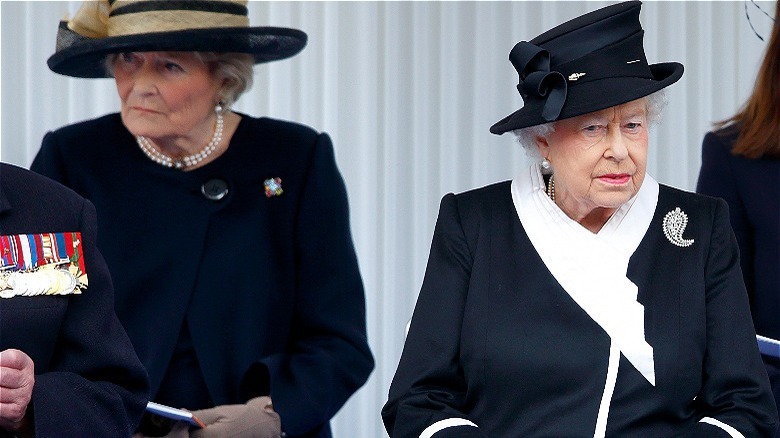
x=86 y=57
x=594 y=96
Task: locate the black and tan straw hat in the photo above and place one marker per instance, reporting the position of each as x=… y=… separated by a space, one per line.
x=587 y=64
x=102 y=27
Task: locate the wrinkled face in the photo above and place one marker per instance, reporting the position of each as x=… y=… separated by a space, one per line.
x=165 y=95
x=599 y=159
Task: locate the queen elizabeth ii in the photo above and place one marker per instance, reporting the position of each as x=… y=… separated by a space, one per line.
x=583 y=298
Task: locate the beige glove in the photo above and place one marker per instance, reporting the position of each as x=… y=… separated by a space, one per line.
x=255 y=419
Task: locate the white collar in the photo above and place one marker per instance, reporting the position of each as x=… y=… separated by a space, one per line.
x=592 y=268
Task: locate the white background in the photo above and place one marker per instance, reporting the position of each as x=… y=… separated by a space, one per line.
x=408 y=91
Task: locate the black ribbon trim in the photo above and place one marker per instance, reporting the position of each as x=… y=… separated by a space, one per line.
x=537 y=81
x=221 y=7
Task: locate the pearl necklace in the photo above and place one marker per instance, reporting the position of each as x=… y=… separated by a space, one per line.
x=551 y=188
x=189 y=160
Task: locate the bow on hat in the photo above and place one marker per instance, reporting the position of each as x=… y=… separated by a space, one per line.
x=91 y=20
x=536 y=80
x=105 y=18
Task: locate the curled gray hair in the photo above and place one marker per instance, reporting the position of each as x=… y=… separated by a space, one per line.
x=235 y=69
x=654 y=103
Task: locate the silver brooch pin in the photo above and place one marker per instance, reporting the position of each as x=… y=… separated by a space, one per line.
x=575 y=76
x=674 y=226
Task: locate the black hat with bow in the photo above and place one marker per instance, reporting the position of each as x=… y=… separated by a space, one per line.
x=587 y=64
x=103 y=27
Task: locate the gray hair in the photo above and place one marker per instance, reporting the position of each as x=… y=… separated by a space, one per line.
x=235 y=68
x=654 y=103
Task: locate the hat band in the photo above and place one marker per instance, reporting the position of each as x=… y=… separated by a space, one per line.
x=129 y=7
x=134 y=17
x=169 y=21
x=625 y=59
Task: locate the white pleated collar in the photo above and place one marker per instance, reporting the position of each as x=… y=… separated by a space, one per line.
x=590 y=267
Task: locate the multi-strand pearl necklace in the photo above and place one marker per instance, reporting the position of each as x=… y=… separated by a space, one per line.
x=551 y=188
x=189 y=160
x=547 y=170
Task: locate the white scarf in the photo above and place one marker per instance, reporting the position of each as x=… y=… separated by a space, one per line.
x=592 y=268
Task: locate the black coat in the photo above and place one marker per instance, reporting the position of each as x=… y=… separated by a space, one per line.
x=88 y=379
x=751 y=187
x=495 y=339
x=269 y=285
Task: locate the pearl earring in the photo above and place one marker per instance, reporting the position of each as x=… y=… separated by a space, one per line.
x=546 y=166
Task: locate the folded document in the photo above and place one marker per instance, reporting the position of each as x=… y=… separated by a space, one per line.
x=768 y=346
x=173 y=414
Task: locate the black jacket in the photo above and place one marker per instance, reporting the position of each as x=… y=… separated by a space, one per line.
x=269 y=284
x=751 y=187
x=88 y=379
x=495 y=339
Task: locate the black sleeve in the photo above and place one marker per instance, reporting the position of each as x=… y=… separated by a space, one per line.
x=428 y=391
x=735 y=390
x=329 y=357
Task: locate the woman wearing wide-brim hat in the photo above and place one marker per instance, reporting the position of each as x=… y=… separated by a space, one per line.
x=227 y=236
x=583 y=298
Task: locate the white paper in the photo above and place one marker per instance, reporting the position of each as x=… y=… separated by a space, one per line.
x=173 y=413
x=768 y=346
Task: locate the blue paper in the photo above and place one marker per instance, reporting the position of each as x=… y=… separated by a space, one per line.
x=173 y=413
x=768 y=346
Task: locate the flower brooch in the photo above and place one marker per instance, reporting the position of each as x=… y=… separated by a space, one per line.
x=674 y=226
x=273 y=187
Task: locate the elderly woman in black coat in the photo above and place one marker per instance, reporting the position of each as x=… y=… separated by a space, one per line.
x=583 y=298
x=227 y=235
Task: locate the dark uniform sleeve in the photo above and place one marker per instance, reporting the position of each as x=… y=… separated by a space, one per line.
x=329 y=357
x=428 y=392
x=95 y=386
x=735 y=390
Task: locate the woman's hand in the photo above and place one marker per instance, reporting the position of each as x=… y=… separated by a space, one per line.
x=255 y=419
x=17 y=378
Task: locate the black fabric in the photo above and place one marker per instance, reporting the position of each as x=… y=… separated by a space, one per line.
x=591 y=32
x=270 y=285
x=183 y=383
x=751 y=187
x=601 y=56
x=772 y=365
x=495 y=339
x=88 y=379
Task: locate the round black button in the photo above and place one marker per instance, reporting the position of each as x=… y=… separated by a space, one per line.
x=214 y=189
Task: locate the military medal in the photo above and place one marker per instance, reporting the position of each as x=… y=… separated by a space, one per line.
x=41 y=264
